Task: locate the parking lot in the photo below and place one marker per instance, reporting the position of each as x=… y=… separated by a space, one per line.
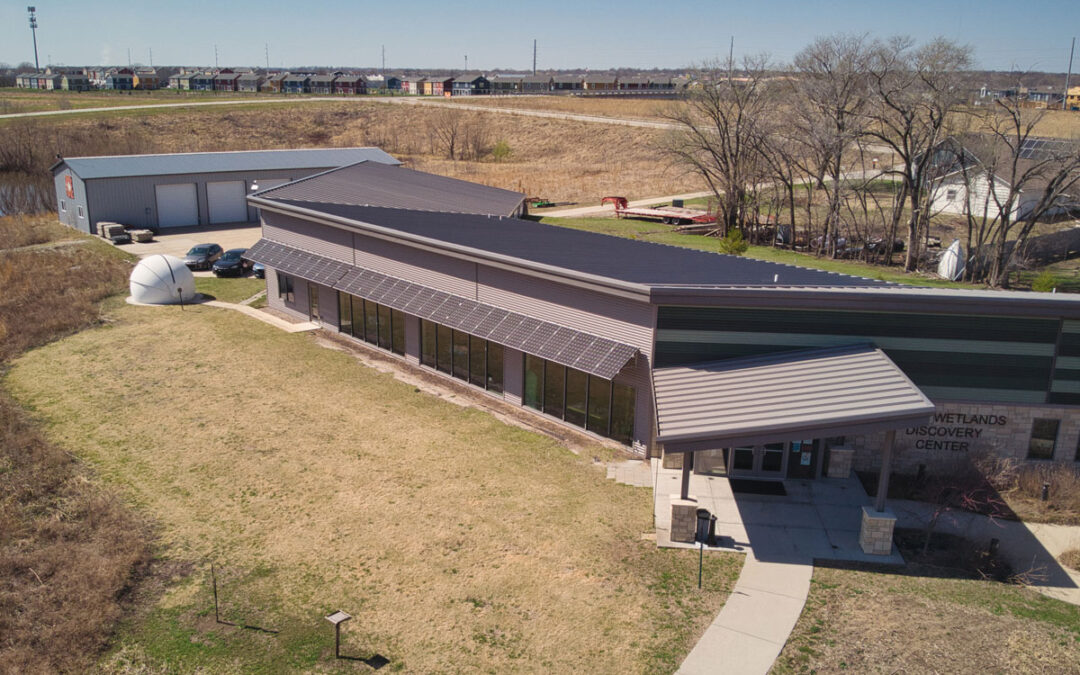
x=178 y=240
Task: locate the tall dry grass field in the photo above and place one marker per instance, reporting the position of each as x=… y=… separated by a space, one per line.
x=556 y=159
x=68 y=548
x=458 y=543
x=626 y=108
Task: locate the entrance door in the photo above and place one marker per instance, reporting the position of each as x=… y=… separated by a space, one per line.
x=759 y=461
x=803 y=459
x=313 y=302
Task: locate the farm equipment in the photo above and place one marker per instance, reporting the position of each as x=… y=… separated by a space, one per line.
x=670 y=215
x=540 y=203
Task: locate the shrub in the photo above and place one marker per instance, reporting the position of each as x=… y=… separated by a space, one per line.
x=501 y=151
x=1045 y=282
x=1071 y=558
x=733 y=243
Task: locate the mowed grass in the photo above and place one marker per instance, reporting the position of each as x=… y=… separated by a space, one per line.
x=869 y=622
x=458 y=543
x=664 y=234
x=230 y=289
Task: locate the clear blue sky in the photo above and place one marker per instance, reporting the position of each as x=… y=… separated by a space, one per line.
x=1031 y=35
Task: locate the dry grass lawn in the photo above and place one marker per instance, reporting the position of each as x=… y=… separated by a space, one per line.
x=458 y=543
x=867 y=622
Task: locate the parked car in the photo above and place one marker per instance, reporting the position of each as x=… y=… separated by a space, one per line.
x=202 y=256
x=259 y=270
x=232 y=263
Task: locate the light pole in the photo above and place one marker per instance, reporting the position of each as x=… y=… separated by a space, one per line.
x=33 y=29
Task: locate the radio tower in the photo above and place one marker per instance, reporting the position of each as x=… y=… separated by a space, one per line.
x=33 y=29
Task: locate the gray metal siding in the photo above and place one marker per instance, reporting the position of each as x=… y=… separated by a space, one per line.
x=70 y=217
x=421 y=267
x=132 y=200
x=619 y=319
x=320 y=239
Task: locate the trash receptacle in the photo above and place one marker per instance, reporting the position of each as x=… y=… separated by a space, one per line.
x=706 y=527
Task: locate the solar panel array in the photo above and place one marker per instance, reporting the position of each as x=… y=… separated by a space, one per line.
x=592 y=354
x=1044 y=148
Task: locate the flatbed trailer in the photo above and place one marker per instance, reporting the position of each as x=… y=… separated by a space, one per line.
x=672 y=215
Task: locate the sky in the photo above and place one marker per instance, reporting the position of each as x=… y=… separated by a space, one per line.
x=498 y=34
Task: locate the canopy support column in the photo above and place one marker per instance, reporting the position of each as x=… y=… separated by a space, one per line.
x=886 y=469
x=687 y=464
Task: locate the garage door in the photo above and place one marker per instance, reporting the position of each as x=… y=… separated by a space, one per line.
x=226 y=202
x=176 y=205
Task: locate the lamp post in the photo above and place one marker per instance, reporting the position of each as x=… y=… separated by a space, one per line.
x=33 y=29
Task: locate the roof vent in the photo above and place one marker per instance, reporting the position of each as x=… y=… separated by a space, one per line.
x=776 y=278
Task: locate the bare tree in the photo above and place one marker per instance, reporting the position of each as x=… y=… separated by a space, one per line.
x=1010 y=183
x=831 y=93
x=720 y=134
x=915 y=92
x=444 y=130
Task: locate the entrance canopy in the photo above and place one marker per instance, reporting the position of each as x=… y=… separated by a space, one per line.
x=813 y=393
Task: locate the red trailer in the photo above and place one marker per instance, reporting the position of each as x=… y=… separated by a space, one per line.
x=672 y=215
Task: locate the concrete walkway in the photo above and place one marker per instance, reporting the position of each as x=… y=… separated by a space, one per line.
x=266 y=317
x=752 y=628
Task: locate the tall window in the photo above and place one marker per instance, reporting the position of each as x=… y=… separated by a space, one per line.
x=372 y=322
x=601 y=406
x=285 y=288
x=1044 y=434
x=466 y=357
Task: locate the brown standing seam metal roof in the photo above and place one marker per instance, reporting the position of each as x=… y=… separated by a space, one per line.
x=369 y=184
x=594 y=355
x=803 y=394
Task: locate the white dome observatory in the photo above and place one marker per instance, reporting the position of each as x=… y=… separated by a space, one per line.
x=162 y=280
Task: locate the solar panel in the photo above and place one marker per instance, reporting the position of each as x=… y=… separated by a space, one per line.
x=569 y=347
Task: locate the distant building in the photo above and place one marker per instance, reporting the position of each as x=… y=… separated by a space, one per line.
x=249 y=82
x=121 y=79
x=147 y=79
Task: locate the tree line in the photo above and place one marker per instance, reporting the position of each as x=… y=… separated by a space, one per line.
x=850 y=145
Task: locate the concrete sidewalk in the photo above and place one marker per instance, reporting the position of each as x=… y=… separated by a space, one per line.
x=266 y=317
x=752 y=628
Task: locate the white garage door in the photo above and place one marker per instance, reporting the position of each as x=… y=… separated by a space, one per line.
x=176 y=205
x=226 y=202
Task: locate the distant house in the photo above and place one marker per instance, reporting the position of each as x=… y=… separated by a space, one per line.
x=146 y=79
x=537 y=84
x=600 y=83
x=966 y=182
x=75 y=81
x=226 y=80
x=393 y=83
x=181 y=81
x=567 y=83
x=375 y=84
x=203 y=81
x=275 y=83
x=296 y=84
x=470 y=84
x=249 y=82
x=122 y=79
x=1072 y=98
x=321 y=84
x=97 y=77
x=505 y=84
x=349 y=85
x=412 y=85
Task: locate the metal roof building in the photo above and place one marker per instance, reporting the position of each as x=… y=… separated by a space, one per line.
x=176 y=190
x=759 y=370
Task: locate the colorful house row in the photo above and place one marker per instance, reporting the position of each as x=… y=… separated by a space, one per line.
x=515 y=84
x=84 y=79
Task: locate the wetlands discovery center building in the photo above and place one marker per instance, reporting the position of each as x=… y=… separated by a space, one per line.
x=745 y=368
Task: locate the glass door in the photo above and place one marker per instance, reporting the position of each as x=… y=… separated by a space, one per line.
x=759 y=461
x=313 y=302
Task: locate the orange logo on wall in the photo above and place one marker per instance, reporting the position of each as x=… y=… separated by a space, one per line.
x=70 y=185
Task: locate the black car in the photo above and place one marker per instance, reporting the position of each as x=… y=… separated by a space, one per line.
x=201 y=257
x=259 y=270
x=232 y=263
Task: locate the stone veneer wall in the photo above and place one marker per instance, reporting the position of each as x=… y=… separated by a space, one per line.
x=958 y=429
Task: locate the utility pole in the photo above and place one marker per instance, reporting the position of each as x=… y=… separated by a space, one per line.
x=1068 y=75
x=534 y=56
x=731 y=55
x=33 y=29
x=129 y=57
x=266 y=49
x=215 y=56
x=151 y=57
x=466 y=63
x=384 y=59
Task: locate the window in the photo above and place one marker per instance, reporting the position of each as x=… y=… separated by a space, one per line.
x=371 y=322
x=63 y=206
x=466 y=357
x=397 y=331
x=80 y=212
x=344 y=313
x=584 y=400
x=357 y=317
x=950 y=195
x=285 y=288
x=1044 y=434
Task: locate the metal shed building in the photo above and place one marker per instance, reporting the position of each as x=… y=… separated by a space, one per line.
x=177 y=190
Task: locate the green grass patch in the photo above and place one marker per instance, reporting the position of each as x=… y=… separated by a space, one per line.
x=229 y=289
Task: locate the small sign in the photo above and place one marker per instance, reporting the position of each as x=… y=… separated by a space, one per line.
x=805 y=459
x=796 y=446
x=70 y=185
